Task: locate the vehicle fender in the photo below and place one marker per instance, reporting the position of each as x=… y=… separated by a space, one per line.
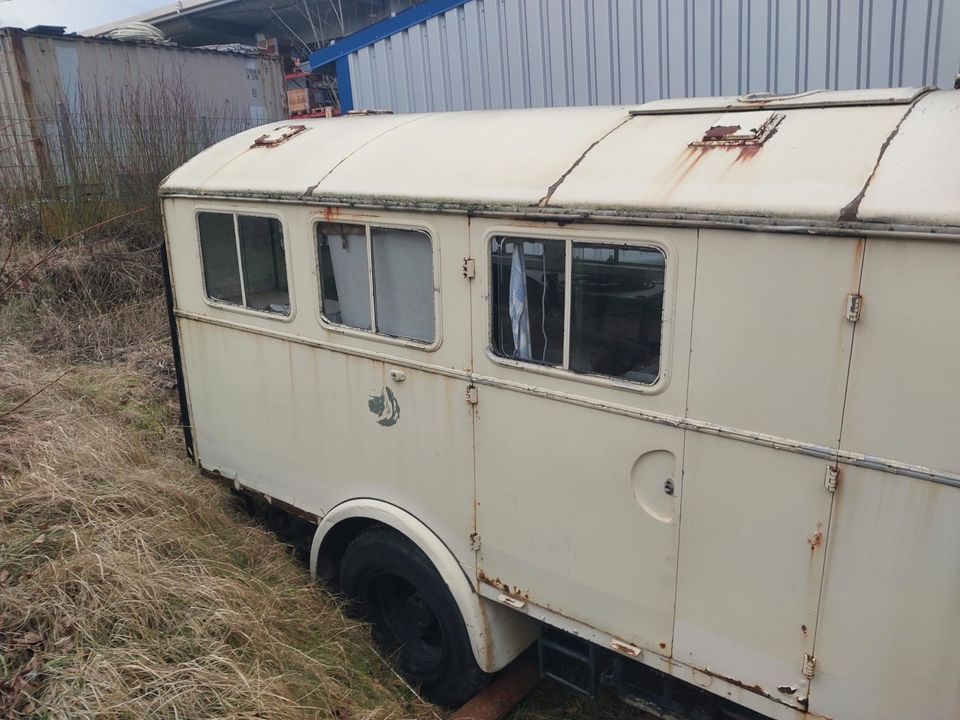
x=497 y=633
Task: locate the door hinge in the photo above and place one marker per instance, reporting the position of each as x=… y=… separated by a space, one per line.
x=809 y=665
x=854 y=304
x=472 y=394
x=475 y=541
x=832 y=478
x=469 y=268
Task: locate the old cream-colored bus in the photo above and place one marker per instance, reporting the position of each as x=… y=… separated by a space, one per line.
x=672 y=389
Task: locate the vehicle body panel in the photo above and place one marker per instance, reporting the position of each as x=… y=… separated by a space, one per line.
x=765 y=577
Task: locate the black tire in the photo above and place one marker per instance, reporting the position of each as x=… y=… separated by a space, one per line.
x=413 y=614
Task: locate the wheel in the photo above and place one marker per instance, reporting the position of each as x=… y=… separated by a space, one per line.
x=413 y=614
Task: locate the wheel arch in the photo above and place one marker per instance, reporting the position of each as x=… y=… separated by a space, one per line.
x=497 y=634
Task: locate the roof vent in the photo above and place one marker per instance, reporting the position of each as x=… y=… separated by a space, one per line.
x=739 y=129
x=278 y=135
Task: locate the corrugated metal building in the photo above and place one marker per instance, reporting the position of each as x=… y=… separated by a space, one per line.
x=477 y=54
x=67 y=102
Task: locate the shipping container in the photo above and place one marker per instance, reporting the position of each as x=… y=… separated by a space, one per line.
x=64 y=97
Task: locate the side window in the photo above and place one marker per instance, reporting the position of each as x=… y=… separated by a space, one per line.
x=244 y=261
x=378 y=279
x=606 y=320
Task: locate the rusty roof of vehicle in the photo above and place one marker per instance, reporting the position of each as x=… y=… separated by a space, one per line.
x=888 y=161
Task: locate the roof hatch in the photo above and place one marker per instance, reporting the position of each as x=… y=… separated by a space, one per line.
x=740 y=128
x=278 y=135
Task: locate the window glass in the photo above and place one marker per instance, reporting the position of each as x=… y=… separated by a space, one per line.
x=251 y=273
x=615 y=306
x=264 y=264
x=616 y=311
x=528 y=283
x=344 y=275
x=403 y=283
x=402 y=273
x=218 y=250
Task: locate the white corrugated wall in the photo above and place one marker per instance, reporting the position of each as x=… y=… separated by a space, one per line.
x=534 y=53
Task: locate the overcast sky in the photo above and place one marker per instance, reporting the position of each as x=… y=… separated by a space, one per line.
x=77 y=15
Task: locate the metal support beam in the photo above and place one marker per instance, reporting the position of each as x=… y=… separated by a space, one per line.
x=369 y=35
x=344 y=89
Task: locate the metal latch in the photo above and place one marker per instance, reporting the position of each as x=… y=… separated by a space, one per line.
x=469 y=268
x=626 y=648
x=809 y=665
x=832 y=478
x=854 y=304
x=472 y=394
x=512 y=602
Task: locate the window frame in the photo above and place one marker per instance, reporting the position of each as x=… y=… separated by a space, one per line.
x=591 y=237
x=373 y=334
x=243 y=309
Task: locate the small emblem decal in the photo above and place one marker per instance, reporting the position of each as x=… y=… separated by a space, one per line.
x=385 y=407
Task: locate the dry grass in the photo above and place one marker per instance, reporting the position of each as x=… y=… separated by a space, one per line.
x=87 y=298
x=132 y=588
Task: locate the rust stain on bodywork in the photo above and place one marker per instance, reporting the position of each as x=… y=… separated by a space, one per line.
x=692 y=155
x=714 y=141
x=503 y=587
x=756 y=688
x=746 y=153
x=816 y=540
x=857 y=264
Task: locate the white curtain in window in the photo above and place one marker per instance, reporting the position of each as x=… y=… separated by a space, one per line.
x=519 y=310
x=348 y=253
x=403 y=283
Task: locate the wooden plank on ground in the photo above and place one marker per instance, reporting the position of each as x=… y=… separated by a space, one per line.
x=503 y=694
